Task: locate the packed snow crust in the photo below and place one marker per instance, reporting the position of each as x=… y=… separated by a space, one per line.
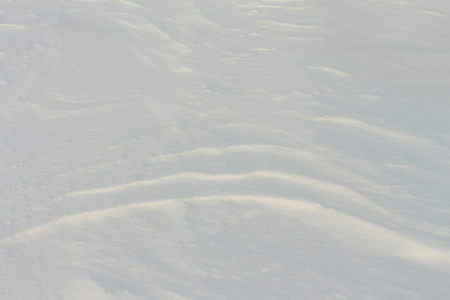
x=190 y=149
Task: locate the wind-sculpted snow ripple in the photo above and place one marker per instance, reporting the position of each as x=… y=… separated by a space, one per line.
x=264 y=183
x=248 y=230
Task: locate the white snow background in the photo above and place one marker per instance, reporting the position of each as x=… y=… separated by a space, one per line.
x=206 y=149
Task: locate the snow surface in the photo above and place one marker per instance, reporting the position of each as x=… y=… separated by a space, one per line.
x=191 y=149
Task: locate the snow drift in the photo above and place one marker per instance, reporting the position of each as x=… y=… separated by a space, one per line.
x=224 y=149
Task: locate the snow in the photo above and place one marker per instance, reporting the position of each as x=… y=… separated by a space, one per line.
x=290 y=149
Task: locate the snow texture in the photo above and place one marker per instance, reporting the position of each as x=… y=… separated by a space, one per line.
x=190 y=149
